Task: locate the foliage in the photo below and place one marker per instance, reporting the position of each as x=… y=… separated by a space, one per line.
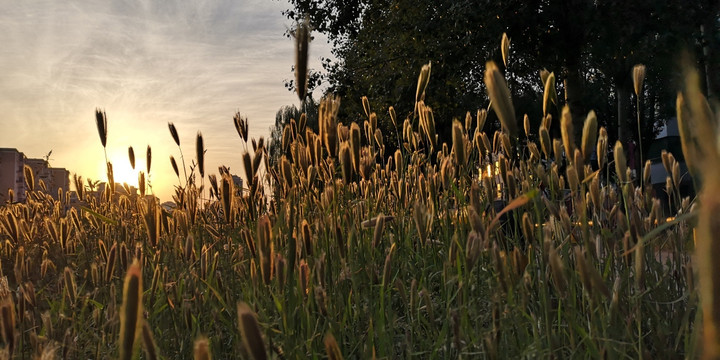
x=284 y=117
x=591 y=47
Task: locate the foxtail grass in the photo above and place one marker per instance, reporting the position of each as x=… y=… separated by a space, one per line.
x=302 y=42
x=250 y=332
x=131 y=312
x=148 y=159
x=505 y=48
x=202 y=349
x=550 y=94
x=148 y=342
x=620 y=163
x=500 y=97
x=131 y=156
x=589 y=135
x=331 y=347
x=200 y=154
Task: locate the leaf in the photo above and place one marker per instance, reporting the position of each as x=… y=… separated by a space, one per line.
x=660 y=229
x=100 y=217
x=516 y=203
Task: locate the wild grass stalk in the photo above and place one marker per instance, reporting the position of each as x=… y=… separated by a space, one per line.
x=441 y=250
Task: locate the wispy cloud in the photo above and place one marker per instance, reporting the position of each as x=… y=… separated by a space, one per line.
x=146 y=62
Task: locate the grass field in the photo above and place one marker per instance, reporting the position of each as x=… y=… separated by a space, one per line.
x=501 y=245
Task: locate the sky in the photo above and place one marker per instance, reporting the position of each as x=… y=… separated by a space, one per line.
x=146 y=63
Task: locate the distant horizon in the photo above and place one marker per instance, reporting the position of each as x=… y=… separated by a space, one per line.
x=145 y=65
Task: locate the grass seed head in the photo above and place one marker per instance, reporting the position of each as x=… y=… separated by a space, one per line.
x=101 y=121
x=302 y=45
x=329 y=107
x=110 y=265
x=528 y=228
x=602 y=144
x=566 y=129
x=131 y=156
x=377 y=234
x=544 y=73
x=473 y=248
x=241 y=126
x=331 y=347
x=201 y=350
x=638 y=78
x=148 y=158
x=346 y=163
x=589 y=135
x=69 y=280
x=149 y=341
x=666 y=158
x=481 y=117
x=468 y=121
x=620 y=162
x=647 y=172
x=174 y=133
x=266 y=248
x=250 y=332
x=505 y=48
x=247 y=165
x=228 y=193
x=579 y=164
x=640 y=264
x=131 y=311
x=458 y=146
x=174 y=166
x=366 y=106
x=550 y=94
x=200 y=153
x=423 y=80
x=545 y=142
x=393 y=116
x=141 y=183
x=500 y=96
x=355 y=145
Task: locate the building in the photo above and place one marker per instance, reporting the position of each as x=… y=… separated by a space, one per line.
x=41 y=171
x=669 y=140
x=11 y=175
x=60 y=179
x=238 y=183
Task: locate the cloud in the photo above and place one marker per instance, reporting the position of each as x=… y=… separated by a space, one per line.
x=146 y=63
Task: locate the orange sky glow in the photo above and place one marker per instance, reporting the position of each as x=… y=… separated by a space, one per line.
x=145 y=63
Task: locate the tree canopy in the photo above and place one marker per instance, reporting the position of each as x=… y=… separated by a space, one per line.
x=591 y=46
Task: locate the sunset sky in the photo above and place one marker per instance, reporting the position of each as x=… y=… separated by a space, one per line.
x=194 y=63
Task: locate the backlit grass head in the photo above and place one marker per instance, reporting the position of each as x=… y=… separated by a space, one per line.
x=250 y=332
x=500 y=97
x=131 y=311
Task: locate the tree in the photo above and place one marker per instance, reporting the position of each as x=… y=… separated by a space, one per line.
x=381 y=46
x=591 y=46
x=284 y=116
x=642 y=32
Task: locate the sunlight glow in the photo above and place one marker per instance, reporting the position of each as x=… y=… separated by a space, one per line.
x=122 y=170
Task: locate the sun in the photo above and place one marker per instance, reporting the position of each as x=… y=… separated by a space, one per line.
x=122 y=171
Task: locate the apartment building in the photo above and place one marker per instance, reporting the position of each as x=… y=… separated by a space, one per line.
x=12 y=176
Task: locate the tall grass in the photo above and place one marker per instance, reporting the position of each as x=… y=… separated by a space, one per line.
x=474 y=249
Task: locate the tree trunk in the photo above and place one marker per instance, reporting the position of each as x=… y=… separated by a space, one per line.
x=623 y=97
x=574 y=99
x=706 y=31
